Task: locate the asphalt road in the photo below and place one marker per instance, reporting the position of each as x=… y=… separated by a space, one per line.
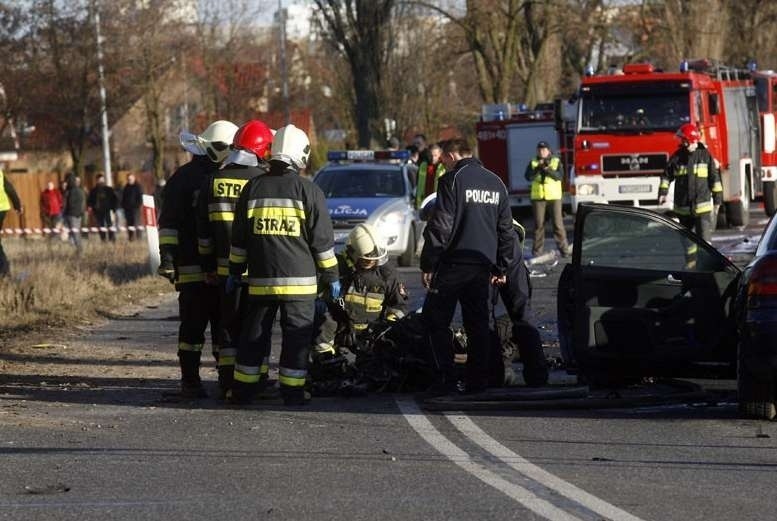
x=99 y=442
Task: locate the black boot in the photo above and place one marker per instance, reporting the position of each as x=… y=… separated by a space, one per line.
x=191 y=385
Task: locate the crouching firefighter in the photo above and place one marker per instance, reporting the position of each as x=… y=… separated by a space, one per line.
x=371 y=291
x=180 y=259
x=283 y=235
x=215 y=214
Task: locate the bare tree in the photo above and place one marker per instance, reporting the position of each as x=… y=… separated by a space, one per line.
x=360 y=31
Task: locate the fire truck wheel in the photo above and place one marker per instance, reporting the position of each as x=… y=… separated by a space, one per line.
x=770 y=197
x=737 y=213
x=720 y=219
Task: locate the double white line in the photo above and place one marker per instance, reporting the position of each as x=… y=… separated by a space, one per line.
x=542 y=507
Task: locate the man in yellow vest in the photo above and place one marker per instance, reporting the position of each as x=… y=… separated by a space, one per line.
x=429 y=173
x=545 y=173
x=8 y=197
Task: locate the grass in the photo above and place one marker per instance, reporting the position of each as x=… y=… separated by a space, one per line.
x=51 y=287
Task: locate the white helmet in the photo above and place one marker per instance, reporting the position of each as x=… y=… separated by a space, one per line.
x=215 y=140
x=365 y=242
x=291 y=146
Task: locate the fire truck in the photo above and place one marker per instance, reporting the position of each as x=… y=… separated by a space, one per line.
x=507 y=136
x=626 y=129
x=766 y=94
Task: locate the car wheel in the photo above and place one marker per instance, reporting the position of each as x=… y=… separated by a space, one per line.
x=770 y=197
x=756 y=394
x=406 y=259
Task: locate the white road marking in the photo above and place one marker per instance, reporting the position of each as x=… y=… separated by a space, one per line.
x=421 y=424
x=566 y=489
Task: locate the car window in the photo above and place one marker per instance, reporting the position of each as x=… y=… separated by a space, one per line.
x=769 y=240
x=626 y=240
x=356 y=182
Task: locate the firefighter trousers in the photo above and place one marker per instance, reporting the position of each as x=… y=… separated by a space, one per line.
x=469 y=285
x=255 y=340
x=700 y=224
x=197 y=307
x=231 y=307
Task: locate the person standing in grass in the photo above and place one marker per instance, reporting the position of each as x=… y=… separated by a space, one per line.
x=75 y=207
x=8 y=198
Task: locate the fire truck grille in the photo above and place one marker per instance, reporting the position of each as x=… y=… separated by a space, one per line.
x=633 y=164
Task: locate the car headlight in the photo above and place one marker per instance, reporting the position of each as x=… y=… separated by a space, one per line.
x=587 y=189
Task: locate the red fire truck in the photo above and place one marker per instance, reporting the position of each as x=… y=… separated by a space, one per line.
x=507 y=137
x=766 y=94
x=626 y=132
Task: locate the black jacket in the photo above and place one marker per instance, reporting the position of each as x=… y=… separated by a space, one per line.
x=472 y=222
x=283 y=234
x=132 y=197
x=697 y=181
x=373 y=294
x=177 y=221
x=74 y=202
x=102 y=199
x=216 y=212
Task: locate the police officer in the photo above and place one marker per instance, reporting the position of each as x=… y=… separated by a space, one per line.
x=697 y=182
x=544 y=173
x=215 y=214
x=371 y=291
x=180 y=259
x=283 y=234
x=468 y=246
x=8 y=198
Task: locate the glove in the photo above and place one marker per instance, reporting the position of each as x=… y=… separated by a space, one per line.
x=233 y=282
x=335 y=289
x=167 y=270
x=717 y=198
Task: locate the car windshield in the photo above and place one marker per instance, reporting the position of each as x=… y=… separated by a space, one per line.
x=633 y=112
x=361 y=182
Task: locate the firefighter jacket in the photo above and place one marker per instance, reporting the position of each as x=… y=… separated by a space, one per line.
x=216 y=212
x=8 y=195
x=177 y=222
x=545 y=176
x=428 y=173
x=283 y=234
x=372 y=294
x=472 y=223
x=697 y=180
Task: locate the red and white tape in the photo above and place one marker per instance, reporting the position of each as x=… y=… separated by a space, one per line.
x=91 y=229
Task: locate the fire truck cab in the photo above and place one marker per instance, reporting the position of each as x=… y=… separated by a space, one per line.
x=626 y=129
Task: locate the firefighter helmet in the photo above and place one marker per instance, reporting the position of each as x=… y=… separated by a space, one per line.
x=689 y=133
x=291 y=146
x=255 y=137
x=365 y=243
x=215 y=140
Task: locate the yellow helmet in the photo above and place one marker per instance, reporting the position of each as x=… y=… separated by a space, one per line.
x=365 y=242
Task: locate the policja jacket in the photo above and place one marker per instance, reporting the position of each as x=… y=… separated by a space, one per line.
x=216 y=212
x=697 y=181
x=283 y=234
x=545 y=176
x=177 y=222
x=472 y=223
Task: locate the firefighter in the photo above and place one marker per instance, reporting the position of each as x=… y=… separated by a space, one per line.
x=178 y=249
x=283 y=235
x=545 y=173
x=215 y=213
x=468 y=246
x=697 y=182
x=8 y=198
x=371 y=291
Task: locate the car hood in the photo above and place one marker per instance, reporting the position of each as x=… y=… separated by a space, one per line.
x=355 y=208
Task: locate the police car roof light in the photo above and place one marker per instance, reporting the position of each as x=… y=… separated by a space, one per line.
x=366 y=155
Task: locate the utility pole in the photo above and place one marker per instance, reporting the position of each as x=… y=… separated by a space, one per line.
x=284 y=71
x=103 y=104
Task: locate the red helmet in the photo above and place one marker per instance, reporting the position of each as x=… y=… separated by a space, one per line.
x=254 y=136
x=689 y=133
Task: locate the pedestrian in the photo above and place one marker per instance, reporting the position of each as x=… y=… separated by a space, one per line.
x=697 y=189
x=131 y=201
x=412 y=164
x=419 y=141
x=215 y=214
x=468 y=247
x=75 y=208
x=101 y=202
x=545 y=174
x=8 y=198
x=283 y=235
x=181 y=264
x=429 y=174
x=51 y=209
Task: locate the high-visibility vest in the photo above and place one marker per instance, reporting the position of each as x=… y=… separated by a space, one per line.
x=550 y=189
x=5 y=201
x=420 y=191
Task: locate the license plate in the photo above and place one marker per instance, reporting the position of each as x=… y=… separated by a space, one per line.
x=635 y=189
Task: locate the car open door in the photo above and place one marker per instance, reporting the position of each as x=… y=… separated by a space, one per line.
x=646 y=297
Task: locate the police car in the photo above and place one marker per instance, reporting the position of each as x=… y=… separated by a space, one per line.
x=374 y=187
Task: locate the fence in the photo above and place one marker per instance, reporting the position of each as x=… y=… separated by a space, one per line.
x=30 y=185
